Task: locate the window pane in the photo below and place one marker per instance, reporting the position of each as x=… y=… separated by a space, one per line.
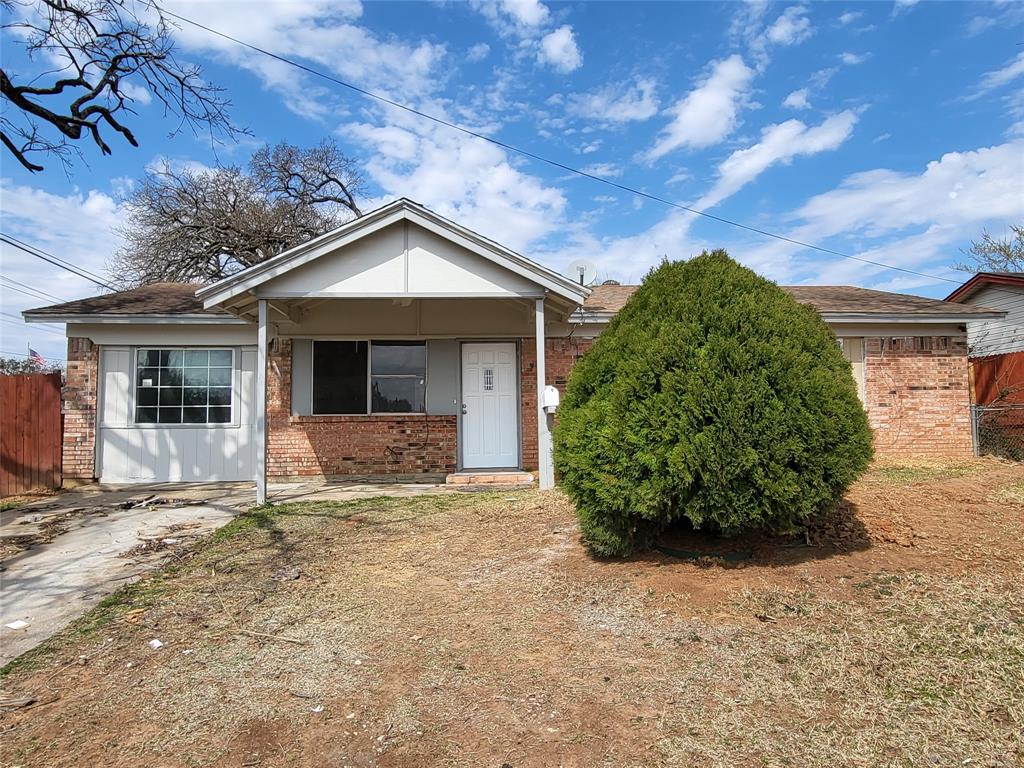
x=220 y=415
x=399 y=357
x=170 y=415
x=220 y=377
x=146 y=396
x=196 y=377
x=399 y=394
x=170 y=377
x=194 y=415
x=197 y=357
x=171 y=358
x=170 y=396
x=149 y=357
x=220 y=357
x=148 y=377
x=195 y=396
x=220 y=396
x=145 y=415
x=339 y=376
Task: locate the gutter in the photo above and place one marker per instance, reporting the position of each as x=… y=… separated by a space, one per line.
x=122 y=319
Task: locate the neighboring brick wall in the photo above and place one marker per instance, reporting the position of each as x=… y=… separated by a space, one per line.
x=560 y=355
x=918 y=400
x=363 y=446
x=79 y=396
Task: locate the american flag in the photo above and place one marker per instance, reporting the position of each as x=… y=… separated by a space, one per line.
x=36 y=359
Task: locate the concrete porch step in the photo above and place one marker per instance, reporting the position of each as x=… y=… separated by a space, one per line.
x=489 y=478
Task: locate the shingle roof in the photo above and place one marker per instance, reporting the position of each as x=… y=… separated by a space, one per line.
x=981 y=279
x=824 y=298
x=180 y=299
x=155 y=299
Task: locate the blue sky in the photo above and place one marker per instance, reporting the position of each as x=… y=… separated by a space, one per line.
x=892 y=131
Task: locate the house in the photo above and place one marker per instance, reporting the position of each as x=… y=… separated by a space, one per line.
x=997 y=345
x=404 y=345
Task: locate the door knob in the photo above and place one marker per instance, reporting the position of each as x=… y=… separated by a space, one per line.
x=464 y=409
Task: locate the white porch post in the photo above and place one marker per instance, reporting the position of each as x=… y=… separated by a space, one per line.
x=544 y=462
x=261 y=403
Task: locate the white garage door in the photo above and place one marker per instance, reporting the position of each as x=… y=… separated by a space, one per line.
x=176 y=414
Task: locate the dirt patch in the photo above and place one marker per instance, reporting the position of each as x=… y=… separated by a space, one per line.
x=469 y=630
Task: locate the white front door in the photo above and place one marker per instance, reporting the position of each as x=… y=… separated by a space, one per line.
x=490 y=415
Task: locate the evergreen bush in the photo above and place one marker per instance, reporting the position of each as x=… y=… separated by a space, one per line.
x=713 y=397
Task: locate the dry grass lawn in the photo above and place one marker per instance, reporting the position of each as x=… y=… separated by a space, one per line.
x=475 y=630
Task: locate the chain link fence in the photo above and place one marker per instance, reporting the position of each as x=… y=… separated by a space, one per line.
x=998 y=430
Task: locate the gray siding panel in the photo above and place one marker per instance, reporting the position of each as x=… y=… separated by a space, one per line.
x=442 y=377
x=302 y=377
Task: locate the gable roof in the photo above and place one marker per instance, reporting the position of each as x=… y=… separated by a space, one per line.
x=399 y=210
x=834 y=302
x=982 y=279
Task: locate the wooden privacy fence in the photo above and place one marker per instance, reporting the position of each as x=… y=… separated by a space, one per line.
x=30 y=432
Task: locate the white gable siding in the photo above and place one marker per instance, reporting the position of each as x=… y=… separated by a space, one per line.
x=400 y=260
x=997 y=337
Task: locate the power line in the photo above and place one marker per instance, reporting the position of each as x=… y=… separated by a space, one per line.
x=26 y=293
x=22 y=354
x=63 y=261
x=41 y=294
x=27 y=329
x=56 y=261
x=542 y=159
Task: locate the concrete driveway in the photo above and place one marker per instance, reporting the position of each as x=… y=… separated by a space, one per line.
x=87 y=542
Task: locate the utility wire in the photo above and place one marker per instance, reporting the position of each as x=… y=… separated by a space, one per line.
x=63 y=261
x=542 y=159
x=42 y=294
x=35 y=296
x=28 y=329
x=22 y=354
x=56 y=261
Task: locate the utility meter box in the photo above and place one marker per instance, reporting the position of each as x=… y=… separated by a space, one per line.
x=551 y=398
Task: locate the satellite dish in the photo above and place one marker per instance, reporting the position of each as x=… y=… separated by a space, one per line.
x=583 y=271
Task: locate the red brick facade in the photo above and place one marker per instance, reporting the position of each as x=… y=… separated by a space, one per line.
x=918 y=396
x=79 y=408
x=363 y=446
x=560 y=355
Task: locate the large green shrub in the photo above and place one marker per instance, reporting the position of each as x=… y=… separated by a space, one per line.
x=712 y=396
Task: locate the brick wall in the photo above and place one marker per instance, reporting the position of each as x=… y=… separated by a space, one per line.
x=79 y=396
x=358 y=446
x=917 y=395
x=560 y=354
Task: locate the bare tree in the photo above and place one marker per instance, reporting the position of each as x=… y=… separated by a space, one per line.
x=201 y=225
x=98 y=57
x=997 y=255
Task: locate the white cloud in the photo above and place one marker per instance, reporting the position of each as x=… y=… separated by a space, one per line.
x=881 y=137
x=849 y=17
x=779 y=144
x=916 y=221
x=605 y=170
x=797 y=100
x=791 y=27
x=513 y=17
x=617 y=103
x=899 y=6
x=979 y=24
x=559 y=49
x=78 y=227
x=852 y=59
x=708 y=113
x=464 y=178
x=138 y=93
x=997 y=78
x=319 y=31
x=478 y=52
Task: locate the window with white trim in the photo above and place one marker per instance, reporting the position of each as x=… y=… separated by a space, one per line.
x=360 y=377
x=183 y=386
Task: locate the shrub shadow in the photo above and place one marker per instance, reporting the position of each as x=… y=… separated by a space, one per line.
x=837 y=532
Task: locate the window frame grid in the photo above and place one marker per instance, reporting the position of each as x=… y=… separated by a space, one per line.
x=232 y=387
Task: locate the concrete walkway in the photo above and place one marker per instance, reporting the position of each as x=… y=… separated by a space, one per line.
x=87 y=542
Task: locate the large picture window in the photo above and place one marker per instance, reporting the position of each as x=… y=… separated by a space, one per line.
x=359 y=377
x=183 y=386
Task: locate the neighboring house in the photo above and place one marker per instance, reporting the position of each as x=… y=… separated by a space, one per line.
x=996 y=345
x=404 y=345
